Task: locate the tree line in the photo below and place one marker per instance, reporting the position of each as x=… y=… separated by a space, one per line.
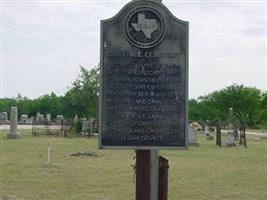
x=249 y=103
x=81 y=99
x=249 y=106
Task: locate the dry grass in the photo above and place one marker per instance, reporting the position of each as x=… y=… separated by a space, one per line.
x=204 y=172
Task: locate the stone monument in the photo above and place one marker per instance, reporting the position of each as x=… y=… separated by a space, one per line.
x=85 y=127
x=13 y=134
x=207 y=132
x=230 y=141
x=48 y=118
x=3 y=117
x=40 y=118
x=192 y=136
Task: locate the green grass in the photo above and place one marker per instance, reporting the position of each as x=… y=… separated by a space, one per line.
x=204 y=172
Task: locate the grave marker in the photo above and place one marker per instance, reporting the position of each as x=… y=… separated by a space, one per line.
x=23 y=118
x=192 y=136
x=13 y=133
x=230 y=129
x=4 y=117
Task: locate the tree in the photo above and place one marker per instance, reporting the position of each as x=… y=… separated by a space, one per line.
x=263 y=109
x=245 y=102
x=82 y=97
x=49 y=104
x=201 y=110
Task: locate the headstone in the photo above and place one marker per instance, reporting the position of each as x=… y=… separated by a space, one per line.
x=59 y=119
x=207 y=132
x=144 y=78
x=30 y=121
x=192 y=136
x=230 y=129
x=76 y=118
x=23 y=119
x=85 y=127
x=48 y=118
x=40 y=118
x=196 y=126
x=3 y=117
x=13 y=134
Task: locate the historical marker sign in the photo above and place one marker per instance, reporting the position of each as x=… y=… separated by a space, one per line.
x=144 y=78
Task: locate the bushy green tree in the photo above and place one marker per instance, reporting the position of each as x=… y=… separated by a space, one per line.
x=263 y=110
x=49 y=104
x=245 y=101
x=82 y=97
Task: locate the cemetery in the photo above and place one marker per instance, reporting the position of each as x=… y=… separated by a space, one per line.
x=129 y=128
x=202 y=172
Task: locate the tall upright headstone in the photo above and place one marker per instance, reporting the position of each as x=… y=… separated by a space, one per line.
x=39 y=118
x=207 y=132
x=48 y=118
x=13 y=134
x=230 y=132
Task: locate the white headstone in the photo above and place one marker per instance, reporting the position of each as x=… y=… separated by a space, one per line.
x=39 y=118
x=23 y=118
x=48 y=117
x=192 y=136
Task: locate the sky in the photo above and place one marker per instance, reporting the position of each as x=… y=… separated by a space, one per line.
x=43 y=42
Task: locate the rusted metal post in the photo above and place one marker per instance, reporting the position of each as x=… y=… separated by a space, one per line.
x=154 y=174
x=143 y=166
x=163 y=178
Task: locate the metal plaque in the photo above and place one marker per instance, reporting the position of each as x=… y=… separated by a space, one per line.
x=144 y=79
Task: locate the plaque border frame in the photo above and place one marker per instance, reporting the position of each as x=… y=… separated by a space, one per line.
x=134 y=147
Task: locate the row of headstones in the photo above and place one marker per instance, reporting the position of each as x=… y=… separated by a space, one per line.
x=24 y=119
x=40 y=119
x=228 y=139
x=13 y=133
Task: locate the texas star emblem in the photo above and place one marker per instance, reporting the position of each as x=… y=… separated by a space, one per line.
x=145 y=27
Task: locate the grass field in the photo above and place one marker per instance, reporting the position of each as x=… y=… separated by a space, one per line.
x=204 y=172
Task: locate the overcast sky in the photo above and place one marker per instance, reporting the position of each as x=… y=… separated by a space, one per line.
x=43 y=43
